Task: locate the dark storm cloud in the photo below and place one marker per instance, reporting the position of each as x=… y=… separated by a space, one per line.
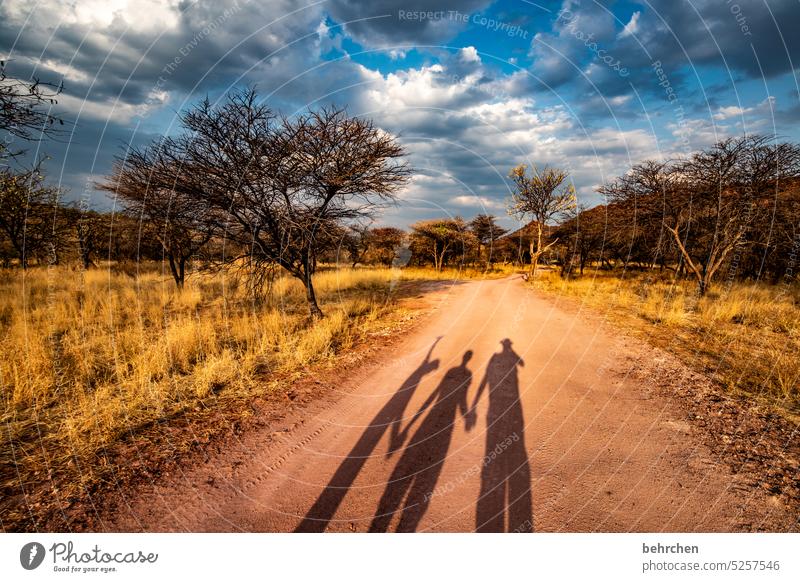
x=120 y=73
x=560 y=55
x=387 y=23
x=80 y=160
x=122 y=61
x=744 y=39
x=751 y=36
x=463 y=121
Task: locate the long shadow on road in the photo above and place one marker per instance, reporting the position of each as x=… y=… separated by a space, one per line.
x=389 y=417
x=416 y=473
x=504 y=502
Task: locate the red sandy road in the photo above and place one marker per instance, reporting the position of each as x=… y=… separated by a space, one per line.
x=560 y=439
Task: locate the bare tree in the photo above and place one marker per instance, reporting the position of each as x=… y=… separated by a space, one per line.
x=729 y=189
x=142 y=181
x=542 y=197
x=356 y=239
x=641 y=202
x=582 y=236
x=92 y=231
x=25 y=110
x=779 y=238
x=274 y=187
x=707 y=205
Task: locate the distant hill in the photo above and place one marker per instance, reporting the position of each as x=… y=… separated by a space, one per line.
x=524 y=233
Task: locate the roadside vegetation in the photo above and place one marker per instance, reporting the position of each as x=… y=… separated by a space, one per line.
x=702 y=250
x=746 y=335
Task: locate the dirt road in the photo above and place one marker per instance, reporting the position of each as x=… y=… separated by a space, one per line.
x=500 y=412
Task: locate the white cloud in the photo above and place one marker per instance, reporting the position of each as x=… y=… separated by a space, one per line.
x=764 y=108
x=472 y=201
x=632 y=27
x=469 y=54
x=462 y=136
x=135 y=15
x=728 y=112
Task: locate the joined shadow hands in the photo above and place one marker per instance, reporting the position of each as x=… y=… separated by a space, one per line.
x=470 y=419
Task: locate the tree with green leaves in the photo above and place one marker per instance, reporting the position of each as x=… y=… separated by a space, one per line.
x=442 y=240
x=541 y=198
x=383 y=243
x=487 y=232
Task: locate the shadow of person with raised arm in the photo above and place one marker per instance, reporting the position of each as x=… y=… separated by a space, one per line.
x=504 y=504
x=416 y=473
x=389 y=417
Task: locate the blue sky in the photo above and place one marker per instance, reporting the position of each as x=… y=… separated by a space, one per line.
x=470 y=87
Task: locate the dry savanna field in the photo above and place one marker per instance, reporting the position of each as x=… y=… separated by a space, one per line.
x=90 y=360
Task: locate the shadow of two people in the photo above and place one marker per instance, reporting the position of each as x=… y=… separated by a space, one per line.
x=504 y=501
x=388 y=418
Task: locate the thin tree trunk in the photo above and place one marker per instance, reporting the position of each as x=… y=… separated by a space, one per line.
x=23 y=257
x=87 y=262
x=176 y=274
x=311 y=295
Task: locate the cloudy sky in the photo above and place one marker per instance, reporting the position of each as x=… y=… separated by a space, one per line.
x=470 y=87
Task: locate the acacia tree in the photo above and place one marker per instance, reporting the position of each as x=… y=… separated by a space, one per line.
x=92 y=230
x=641 y=202
x=384 y=243
x=487 y=232
x=30 y=219
x=779 y=239
x=273 y=186
x=441 y=240
x=582 y=235
x=729 y=189
x=372 y=245
x=176 y=219
x=708 y=203
x=356 y=239
x=541 y=197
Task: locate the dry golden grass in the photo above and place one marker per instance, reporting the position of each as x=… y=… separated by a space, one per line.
x=746 y=334
x=90 y=358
